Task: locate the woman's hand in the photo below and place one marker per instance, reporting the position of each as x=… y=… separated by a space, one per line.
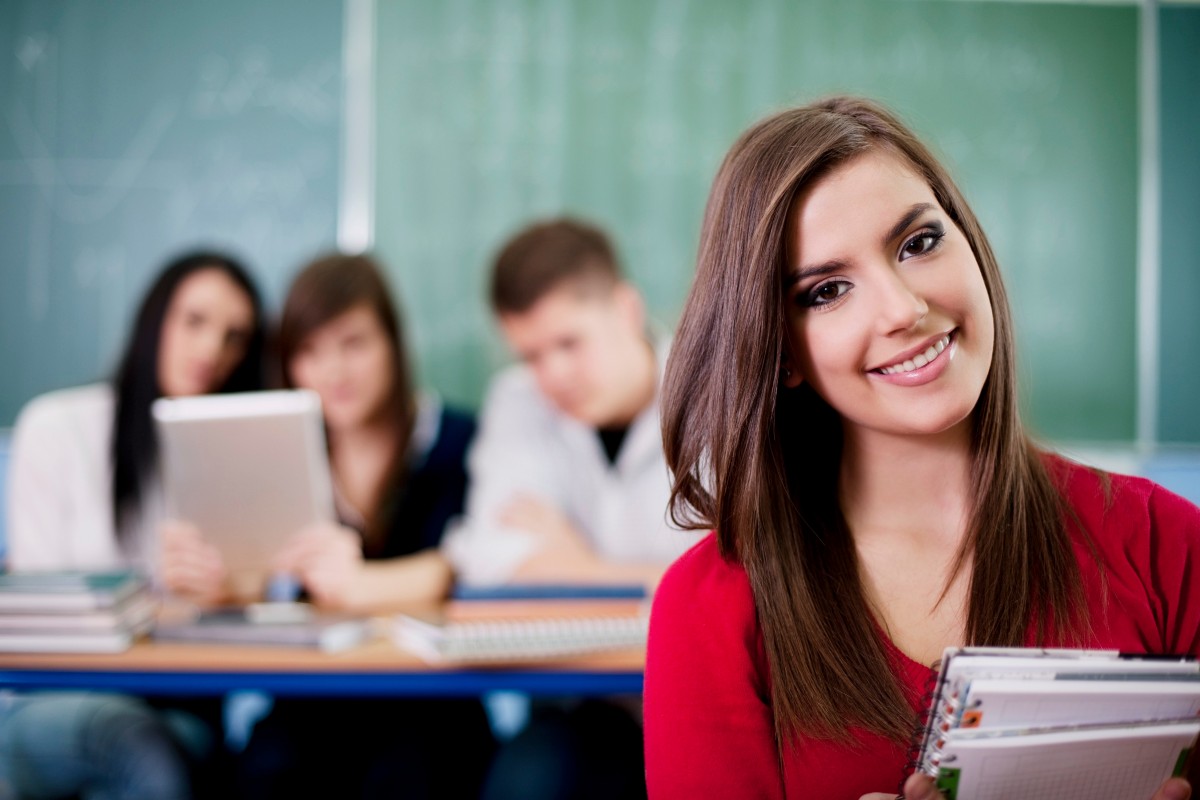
x=921 y=787
x=327 y=558
x=191 y=567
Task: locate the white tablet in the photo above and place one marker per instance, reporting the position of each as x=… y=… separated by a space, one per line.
x=248 y=469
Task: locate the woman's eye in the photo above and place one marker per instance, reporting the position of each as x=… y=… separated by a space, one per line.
x=923 y=243
x=826 y=293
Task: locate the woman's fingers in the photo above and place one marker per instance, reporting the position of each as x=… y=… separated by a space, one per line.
x=190 y=566
x=1174 y=789
x=920 y=786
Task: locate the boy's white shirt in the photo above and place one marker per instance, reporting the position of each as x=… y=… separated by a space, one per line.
x=527 y=446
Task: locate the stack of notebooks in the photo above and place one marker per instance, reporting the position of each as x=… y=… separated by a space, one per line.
x=1060 y=724
x=73 y=612
x=528 y=622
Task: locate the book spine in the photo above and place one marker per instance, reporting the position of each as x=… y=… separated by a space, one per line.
x=946 y=718
x=925 y=728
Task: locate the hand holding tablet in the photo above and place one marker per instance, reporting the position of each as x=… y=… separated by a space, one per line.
x=246 y=471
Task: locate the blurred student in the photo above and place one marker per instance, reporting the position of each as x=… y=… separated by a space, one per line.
x=568 y=480
x=84 y=495
x=397 y=460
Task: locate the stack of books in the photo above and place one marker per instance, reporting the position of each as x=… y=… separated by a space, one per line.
x=1059 y=724
x=73 y=612
x=524 y=623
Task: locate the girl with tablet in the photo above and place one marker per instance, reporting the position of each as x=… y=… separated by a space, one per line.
x=84 y=496
x=841 y=408
x=397 y=460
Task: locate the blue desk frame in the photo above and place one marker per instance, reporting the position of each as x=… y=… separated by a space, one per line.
x=340 y=684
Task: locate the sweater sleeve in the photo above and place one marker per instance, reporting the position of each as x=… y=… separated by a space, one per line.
x=1175 y=569
x=708 y=723
x=38 y=502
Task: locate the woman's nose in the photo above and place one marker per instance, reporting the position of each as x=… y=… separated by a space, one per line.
x=901 y=307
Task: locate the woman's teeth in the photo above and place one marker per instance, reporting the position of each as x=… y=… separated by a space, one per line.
x=920 y=359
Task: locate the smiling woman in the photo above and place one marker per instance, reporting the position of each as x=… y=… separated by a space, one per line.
x=840 y=407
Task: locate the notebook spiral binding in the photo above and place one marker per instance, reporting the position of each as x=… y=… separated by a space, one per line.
x=926 y=722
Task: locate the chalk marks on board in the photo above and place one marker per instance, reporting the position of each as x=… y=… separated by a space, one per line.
x=31 y=51
x=79 y=192
x=188 y=162
x=227 y=88
x=86 y=190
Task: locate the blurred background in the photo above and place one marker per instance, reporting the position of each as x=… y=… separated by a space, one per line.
x=428 y=132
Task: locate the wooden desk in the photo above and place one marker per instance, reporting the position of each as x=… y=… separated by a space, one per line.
x=377 y=668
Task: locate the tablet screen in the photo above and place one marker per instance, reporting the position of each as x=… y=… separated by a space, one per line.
x=248 y=469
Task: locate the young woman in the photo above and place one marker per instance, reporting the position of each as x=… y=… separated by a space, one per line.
x=84 y=495
x=841 y=408
x=397 y=459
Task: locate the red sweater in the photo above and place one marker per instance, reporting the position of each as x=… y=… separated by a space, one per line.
x=708 y=723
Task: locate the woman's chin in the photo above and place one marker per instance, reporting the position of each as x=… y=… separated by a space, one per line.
x=343 y=417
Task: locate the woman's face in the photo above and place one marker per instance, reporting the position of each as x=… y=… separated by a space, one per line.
x=349 y=362
x=205 y=332
x=888 y=317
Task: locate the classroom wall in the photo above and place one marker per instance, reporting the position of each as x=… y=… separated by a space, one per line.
x=492 y=113
x=133 y=128
x=1179 y=323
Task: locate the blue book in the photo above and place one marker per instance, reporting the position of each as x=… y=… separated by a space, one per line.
x=550 y=591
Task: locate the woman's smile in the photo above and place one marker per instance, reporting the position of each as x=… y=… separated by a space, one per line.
x=924 y=365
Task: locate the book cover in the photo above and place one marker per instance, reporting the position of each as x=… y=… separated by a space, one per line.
x=49 y=592
x=112 y=641
x=135 y=613
x=1108 y=763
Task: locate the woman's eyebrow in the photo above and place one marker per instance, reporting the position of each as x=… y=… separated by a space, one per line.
x=796 y=275
x=908 y=219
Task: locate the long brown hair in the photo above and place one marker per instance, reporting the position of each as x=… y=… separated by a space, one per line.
x=760 y=464
x=326 y=288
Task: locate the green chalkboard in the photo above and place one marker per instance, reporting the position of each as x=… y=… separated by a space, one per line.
x=491 y=113
x=133 y=128
x=1179 y=323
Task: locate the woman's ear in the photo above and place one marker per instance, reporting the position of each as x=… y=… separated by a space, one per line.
x=789 y=375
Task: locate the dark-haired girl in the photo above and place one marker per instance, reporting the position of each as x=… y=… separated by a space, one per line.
x=841 y=408
x=84 y=495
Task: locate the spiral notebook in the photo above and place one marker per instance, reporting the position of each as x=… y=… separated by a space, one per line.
x=491 y=631
x=1059 y=724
